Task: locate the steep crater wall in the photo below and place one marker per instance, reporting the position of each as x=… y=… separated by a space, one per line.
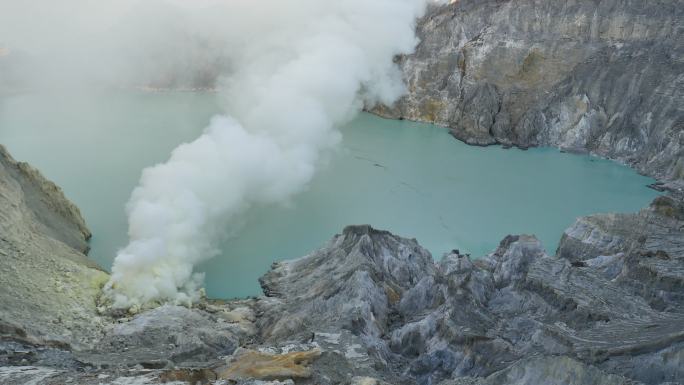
x=605 y=77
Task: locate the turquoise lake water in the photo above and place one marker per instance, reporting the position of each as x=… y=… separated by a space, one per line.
x=410 y=178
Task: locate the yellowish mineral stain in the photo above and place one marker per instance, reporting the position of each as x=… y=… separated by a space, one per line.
x=263 y=366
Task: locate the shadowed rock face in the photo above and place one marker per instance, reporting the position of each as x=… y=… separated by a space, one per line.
x=605 y=77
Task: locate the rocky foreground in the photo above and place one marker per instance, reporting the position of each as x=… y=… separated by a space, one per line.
x=369 y=307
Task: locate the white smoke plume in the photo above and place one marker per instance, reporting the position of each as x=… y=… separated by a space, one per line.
x=299 y=68
x=292 y=71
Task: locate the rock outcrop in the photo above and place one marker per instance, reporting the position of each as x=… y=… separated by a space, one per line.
x=642 y=250
x=48 y=284
x=515 y=316
x=605 y=77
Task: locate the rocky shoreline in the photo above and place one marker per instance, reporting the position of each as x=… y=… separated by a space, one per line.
x=371 y=307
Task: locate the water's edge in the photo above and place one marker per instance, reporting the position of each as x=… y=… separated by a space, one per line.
x=411 y=178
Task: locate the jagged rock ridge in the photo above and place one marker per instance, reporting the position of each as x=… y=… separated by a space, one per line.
x=511 y=316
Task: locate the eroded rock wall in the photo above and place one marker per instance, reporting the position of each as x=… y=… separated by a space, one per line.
x=605 y=77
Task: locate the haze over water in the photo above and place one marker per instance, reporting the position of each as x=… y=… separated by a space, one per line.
x=412 y=179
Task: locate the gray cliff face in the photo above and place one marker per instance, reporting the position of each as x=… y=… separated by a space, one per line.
x=50 y=212
x=48 y=285
x=605 y=77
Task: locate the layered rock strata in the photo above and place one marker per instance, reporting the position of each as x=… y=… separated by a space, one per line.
x=605 y=77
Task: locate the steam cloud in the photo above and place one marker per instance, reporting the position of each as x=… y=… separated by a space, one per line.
x=292 y=71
